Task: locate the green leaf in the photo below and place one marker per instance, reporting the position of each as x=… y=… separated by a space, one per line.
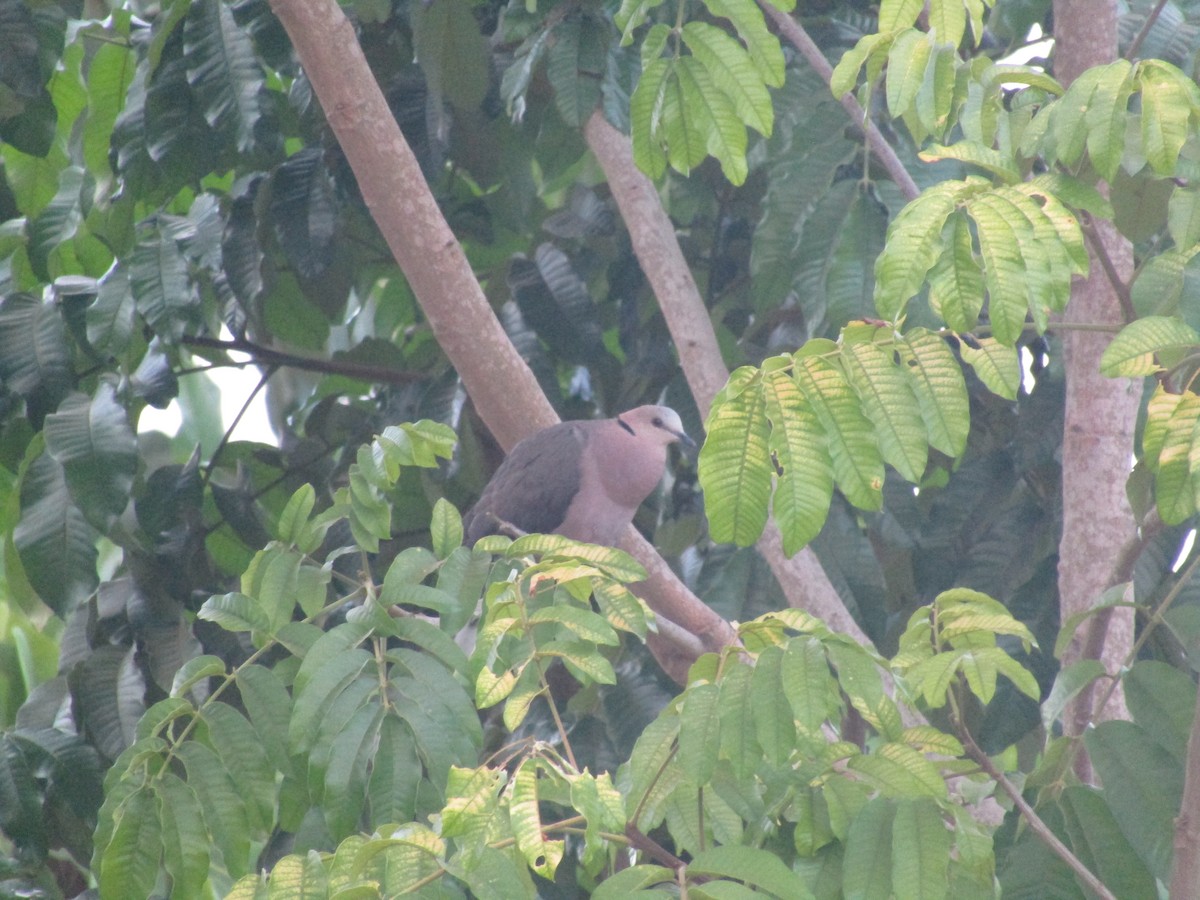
x=543 y=856
x=34 y=359
x=621 y=608
x=58 y=222
x=996 y=365
x=1183 y=216
x=269 y=707
x=159 y=282
x=346 y=774
x=1172 y=487
x=446 y=528
x=1107 y=116
x=914 y=244
x=1131 y=353
x=128 y=865
x=1009 y=266
x=733 y=72
x=1099 y=844
x=92 y=440
x=395 y=774
x=294 y=518
x=240 y=748
x=1159 y=409
x=867 y=865
x=110 y=318
x=739 y=743
x=804 y=486
x=322 y=689
x=583 y=623
x=937 y=381
x=56 y=544
x=645 y=113
x=896 y=14
x=751 y=27
x=1068 y=683
x=889 y=404
x=907 y=61
x=857 y=464
x=994 y=161
x=699 y=118
x=1162 y=700
x=734 y=463
x=773 y=723
x=224 y=808
x=185 y=838
x=614 y=563
x=899 y=771
x=808 y=683
x=584 y=657
x=1169 y=103
x=1070 y=117
x=752 y=866
x=699 y=732
x=575 y=66
x=235 y=612
x=452 y=53
x=845 y=73
x=921 y=849
x=631 y=15
x=195 y=670
x=947 y=21
x=223 y=71
x=1142 y=786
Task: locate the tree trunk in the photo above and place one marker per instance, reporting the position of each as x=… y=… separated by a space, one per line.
x=1100 y=412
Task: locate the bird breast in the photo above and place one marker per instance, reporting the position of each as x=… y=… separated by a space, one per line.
x=616 y=475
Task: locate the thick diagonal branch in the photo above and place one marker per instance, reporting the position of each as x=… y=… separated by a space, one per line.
x=652 y=234
x=502 y=387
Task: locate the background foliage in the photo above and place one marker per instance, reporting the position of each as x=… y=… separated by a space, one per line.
x=223 y=657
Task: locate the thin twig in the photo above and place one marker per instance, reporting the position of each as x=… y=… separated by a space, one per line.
x=795 y=33
x=1035 y=822
x=350 y=369
x=1146 y=26
x=216 y=455
x=1088 y=225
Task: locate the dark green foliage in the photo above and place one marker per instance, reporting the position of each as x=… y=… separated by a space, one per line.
x=256 y=644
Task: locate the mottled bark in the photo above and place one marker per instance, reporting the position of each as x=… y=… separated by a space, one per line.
x=1100 y=412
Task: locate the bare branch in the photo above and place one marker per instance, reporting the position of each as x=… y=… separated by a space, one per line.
x=293 y=360
x=1032 y=819
x=1134 y=47
x=798 y=37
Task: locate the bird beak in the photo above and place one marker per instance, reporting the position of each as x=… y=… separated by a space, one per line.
x=686 y=442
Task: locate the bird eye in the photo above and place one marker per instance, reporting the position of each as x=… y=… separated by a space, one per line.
x=657 y=422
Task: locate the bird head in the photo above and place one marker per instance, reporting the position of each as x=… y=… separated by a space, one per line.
x=659 y=423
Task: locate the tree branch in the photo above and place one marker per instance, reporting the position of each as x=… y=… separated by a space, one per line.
x=798 y=38
x=1035 y=822
x=502 y=387
x=1185 y=879
x=652 y=234
x=348 y=368
x=1145 y=30
x=1119 y=285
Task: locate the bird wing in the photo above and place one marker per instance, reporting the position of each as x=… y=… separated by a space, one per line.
x=534 y=485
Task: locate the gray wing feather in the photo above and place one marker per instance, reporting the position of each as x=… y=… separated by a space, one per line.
x=533 y=486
